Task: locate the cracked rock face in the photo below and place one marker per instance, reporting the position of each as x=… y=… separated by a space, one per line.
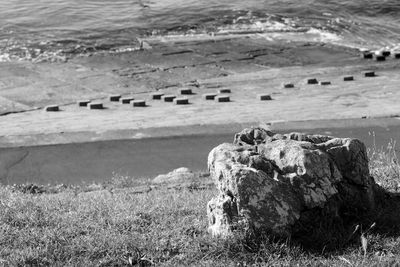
x=269 y=182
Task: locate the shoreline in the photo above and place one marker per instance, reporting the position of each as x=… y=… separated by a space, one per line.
x=83 y=144
x=104 y=160
x=190 y=131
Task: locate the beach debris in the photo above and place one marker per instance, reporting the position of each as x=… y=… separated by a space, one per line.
x=324 y=83
x=181 y=101
x=264 y=97
x=168 y=98
x=288 y=85
x=380 y=58
x=396 y=55
x=185 y=91
x=366 y=54
x=255 y=177
x=380 y=55
x=52 y=108
x=114 y=98
x=157 y=95
x=83 y=103
x=138 y=103
x=312 y=81
x=96 y=105
x=126 y=100
x=209 y=96
x=385 y=53
x=369 y=74
x=348 y=78
x=222 y=98
x=224 y=91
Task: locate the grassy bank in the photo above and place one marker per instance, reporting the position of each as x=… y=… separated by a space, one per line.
x=114 y=224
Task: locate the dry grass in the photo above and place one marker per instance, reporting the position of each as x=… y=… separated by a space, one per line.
x=98 y=225
x=384 y=165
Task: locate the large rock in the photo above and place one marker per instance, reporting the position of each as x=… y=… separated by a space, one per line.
x=273 y=183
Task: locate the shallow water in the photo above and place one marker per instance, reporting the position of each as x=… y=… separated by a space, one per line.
x=48 y=29
x=99 y=161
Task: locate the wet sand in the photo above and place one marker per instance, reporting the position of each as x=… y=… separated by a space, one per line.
x=248 y=65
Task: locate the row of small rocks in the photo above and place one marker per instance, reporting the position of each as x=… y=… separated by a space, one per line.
x=313 y=81
x=220 y=96
x=379 y=55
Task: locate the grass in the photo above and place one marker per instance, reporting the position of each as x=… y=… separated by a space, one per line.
x=113 y=225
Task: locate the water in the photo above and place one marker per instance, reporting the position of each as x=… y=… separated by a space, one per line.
x=58 y=29
x=145 y=158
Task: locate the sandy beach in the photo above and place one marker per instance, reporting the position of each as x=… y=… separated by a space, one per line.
x=248 y=65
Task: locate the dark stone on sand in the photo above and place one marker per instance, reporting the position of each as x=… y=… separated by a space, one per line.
x=168 y=98
x=95 y=105
x=52 y=108
x=138 y=103
x=288 y=85
x=114 y=98
x=324 y=83
x=369 y=74
x=264 y=97
x=312 y=81
x=209 y=96
x=185 y=91
x=181 y=101
x=367 y=55
x=222 y=98
x=157 y=95
x=126 y=100
x=380 y=58
x=348 y=78
x=83 y=103
x=224 y=91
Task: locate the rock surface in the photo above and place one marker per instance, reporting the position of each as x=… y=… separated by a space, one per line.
x=183 y=178
x=178 y=175
x=273 y=183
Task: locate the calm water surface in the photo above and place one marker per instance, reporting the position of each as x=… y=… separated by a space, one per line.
x=99 y=161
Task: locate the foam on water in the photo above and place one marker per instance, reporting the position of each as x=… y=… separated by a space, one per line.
x=54 y=30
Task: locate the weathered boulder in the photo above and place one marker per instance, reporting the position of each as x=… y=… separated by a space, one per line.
x=180 y=175
x=272 y=182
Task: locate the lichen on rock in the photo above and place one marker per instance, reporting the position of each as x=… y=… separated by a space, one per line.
x=270 y=182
